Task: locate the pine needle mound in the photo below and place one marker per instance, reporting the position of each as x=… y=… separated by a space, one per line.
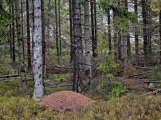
x=64 y=101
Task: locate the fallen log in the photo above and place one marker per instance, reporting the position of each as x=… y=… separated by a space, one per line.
x=8 y=76
x=147 y=81
x=153 y=92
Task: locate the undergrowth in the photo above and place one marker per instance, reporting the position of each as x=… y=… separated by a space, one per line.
x=14 y=105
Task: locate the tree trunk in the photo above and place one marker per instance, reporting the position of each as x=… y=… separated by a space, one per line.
x=136 y=35
x=22 y=21
x=115 y=36
x=95 y=28
x=60 y=49
x=109 y=32
x=77 y=78
x=10 y=34
x=43 y=40
x=71 y=32
x=28 y=36
x=56 y=28
x=20 y=48
x=37 y=51
x=160 y=32
x=128 y=35
x=48 y=27
x=13 y=35
x=145 y=44
x=88 y=69
x=31 y=21
x=124 y=52
x=92 y=24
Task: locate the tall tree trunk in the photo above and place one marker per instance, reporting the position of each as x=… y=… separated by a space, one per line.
x=77 y=78
x=71 y=32
x=31 y=21
x=119 y=52
x=128 y=35
x=13 y=35
x=56 y=28
x=136 y=35
x=59 y=6
x=88 y=69
x=95 y=28
x=22 y=21
x=115 y=36
x=160 y=32
x=92 y=24
x=109 y=32
x=20 y=48
x=48 y=26
x=149 y=23
x=10 y=38
x=124 y=40
x=37 y=51
x=145 y=43
x=43 y=40
x=28 y=36
x=119 y=38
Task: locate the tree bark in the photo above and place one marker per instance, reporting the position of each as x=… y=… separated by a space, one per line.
x=160 y=32
x=60 y=48
x=95 y=28
x=13 y=35
x=22 y=32
x=92 y=30
x=77 y=78
x=20 y=48
x=136 y=35
x=56 y=29
x=88 y=69
x=71 y=32
x=128 y=35
x=10 y=34
x=28 y=36
x=43 y=40
x=37 y=51
x=109 y=32
x=145 y=43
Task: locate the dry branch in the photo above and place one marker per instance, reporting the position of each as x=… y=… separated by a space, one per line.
x=153 y=92
x=8 y=76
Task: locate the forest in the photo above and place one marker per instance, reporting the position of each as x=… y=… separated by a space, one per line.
x=80 y=59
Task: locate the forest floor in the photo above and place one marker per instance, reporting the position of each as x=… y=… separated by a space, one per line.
x=129 y=105
x=119 y=98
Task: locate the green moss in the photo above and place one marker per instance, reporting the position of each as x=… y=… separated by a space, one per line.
x=14 y=105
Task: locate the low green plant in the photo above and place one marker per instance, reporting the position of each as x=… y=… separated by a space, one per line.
x=117 y=90
x=107 y=67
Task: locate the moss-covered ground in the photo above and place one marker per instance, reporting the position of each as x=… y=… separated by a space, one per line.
x=14 y=105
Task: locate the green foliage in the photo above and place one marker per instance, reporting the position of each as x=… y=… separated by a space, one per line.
x=5 y=16
x=123 y=15
x=108 y=65
x=117 y=90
